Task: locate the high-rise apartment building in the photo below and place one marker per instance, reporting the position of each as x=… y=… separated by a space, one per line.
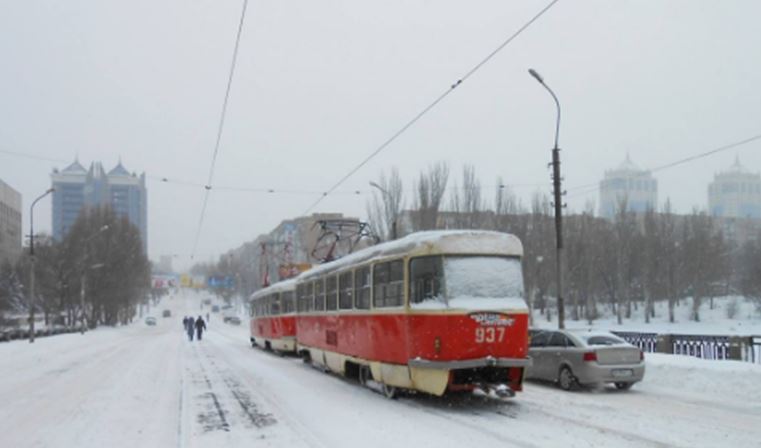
x=77 y=188
x=735 y=193
x=10 y=223
x=630 y=185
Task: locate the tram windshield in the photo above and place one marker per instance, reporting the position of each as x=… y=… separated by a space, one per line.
x=470 y=282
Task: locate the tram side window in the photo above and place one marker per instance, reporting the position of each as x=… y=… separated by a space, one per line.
x=346 y=290
x=362 y=282
x=300 y=297
x=388 y=279
x=309 y=300
x=274 y=304
x=426 y=275
x=395 y=292
x=288 y=302
x=304 y=293
x=380 y=283
x=319 y=295
x=331 y=285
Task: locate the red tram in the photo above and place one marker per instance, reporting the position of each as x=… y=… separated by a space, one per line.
x=274 y=323
x=434 y=312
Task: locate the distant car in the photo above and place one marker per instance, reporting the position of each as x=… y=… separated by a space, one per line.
x=235 y=320
x=166 y=313
x=150 y=320
x=584 y=358
x=215 y=308
x=207 y=301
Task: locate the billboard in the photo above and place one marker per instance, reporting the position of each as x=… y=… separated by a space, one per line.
x=161 y=281
x=220 y=281
x=290 y=270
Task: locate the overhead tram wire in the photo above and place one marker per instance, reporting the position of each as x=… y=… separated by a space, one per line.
x=433 y=104
x=220 y=127
x=262 y=190
x=586 y=189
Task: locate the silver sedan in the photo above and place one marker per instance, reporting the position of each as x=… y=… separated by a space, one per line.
x=584 y=358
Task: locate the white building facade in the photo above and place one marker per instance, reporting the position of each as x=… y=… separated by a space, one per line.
x=735 y=193
x=10 y=223
x=627 y=185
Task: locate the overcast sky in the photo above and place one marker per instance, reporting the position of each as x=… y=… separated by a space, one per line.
x=319 y=85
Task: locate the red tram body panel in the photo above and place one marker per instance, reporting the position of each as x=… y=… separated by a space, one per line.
x=276 y=331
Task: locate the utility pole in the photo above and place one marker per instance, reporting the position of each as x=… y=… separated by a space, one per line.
x=85 y=247
x=558 y=197
x=31 y=262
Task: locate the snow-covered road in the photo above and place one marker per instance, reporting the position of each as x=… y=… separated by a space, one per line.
x=142 y=386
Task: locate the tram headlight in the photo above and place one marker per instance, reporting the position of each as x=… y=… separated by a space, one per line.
x=437 y=345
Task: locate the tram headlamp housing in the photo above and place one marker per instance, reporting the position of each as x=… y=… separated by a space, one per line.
x=437 y=345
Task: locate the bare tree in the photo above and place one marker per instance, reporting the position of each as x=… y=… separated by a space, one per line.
x=467 y=202
x=430 y=188
x=387 y=202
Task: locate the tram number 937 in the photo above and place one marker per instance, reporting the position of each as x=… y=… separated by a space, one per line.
x=488 y=335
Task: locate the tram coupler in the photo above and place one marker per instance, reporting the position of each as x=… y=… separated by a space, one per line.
x=500 y=390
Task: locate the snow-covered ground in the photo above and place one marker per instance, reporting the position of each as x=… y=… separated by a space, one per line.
x=745 y=322
x=142 y=386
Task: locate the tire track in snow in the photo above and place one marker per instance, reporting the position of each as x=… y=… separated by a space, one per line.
x=308 y=437
x=249 y=407
x=209 y=421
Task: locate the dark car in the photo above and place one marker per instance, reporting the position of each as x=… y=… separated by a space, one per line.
x=166 y=313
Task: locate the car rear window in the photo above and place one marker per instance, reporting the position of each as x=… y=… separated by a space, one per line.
x=603 y=340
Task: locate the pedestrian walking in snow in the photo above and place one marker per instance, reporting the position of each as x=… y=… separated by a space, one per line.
x=189 y=327
x=200 y=327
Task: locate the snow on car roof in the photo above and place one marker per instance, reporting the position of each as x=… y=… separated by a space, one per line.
x=586 y=335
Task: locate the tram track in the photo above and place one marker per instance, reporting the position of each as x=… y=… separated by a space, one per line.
x=249 y=393
x=486 y=407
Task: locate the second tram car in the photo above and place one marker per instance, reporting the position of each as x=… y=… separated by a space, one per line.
x=435 y=312
x=273 y=322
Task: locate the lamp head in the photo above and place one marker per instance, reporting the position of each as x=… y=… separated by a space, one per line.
x=536 y=75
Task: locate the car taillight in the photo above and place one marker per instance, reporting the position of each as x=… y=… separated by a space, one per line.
x=590 y=356
x=641 y=355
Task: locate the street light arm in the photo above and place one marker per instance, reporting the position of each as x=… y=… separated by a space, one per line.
x=381 y=189
x=539 y=78
x=31 y=219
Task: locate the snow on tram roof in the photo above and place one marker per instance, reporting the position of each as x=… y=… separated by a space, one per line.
x=437 y=241
x=283 y=285
x=443 y=241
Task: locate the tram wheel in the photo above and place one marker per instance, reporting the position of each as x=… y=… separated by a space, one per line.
x=364 y=375
x=391 y=392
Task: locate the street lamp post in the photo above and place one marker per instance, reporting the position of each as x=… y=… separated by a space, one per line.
x=31 y=261
x=388 y=198
x=556 y=180
x=82 y=313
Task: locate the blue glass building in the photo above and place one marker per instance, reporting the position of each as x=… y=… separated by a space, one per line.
x=77 y=188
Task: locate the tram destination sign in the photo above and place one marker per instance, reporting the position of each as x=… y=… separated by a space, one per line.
x=492 y=319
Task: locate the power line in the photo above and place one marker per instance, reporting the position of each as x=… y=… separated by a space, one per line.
x=220 y=127
x=32 y=156
x=590 y=188
x=433 y=104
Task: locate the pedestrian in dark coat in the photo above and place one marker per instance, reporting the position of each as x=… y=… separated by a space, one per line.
x=189 y=327
x=200 y=327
